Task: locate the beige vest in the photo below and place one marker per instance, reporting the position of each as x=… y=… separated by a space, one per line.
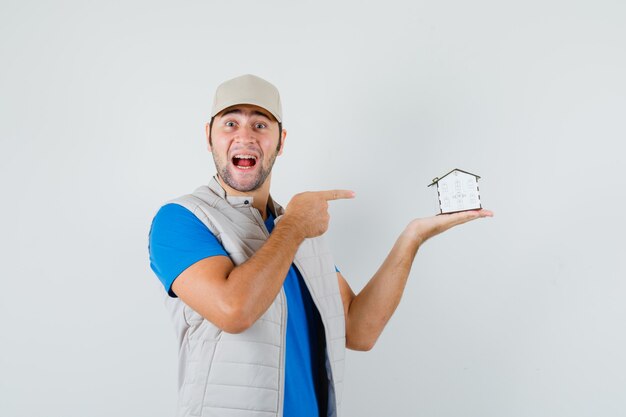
x=242 y=375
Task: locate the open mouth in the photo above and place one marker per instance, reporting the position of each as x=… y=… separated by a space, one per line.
x=244 y=161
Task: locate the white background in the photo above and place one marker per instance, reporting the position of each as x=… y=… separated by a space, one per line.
x=102 y=108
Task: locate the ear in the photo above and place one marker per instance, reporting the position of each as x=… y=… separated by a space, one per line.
x=282 y=142
x=207 y=132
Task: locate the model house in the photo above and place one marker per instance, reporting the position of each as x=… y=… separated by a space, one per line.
x=458 y=191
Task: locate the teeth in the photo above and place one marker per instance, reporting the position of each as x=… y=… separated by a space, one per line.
x=245 y=156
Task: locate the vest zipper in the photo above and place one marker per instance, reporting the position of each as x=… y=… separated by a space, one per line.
x=283 y=325
x=329 y=351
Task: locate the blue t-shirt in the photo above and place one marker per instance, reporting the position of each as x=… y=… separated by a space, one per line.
x=179 y=239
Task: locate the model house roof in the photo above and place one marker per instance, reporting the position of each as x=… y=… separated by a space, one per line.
x=437 y=179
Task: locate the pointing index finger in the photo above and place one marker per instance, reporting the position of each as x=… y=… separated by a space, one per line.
x=337 y=194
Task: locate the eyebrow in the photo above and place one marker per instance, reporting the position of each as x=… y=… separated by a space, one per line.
x=238 y=111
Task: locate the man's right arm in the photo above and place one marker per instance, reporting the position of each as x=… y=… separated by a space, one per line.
x=235 y=297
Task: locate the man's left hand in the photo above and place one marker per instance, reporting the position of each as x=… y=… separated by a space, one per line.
x=424 y=229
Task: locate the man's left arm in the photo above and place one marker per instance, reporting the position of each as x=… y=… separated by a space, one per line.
x=368 y=312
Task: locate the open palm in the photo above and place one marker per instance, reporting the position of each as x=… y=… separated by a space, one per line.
x=428 y=227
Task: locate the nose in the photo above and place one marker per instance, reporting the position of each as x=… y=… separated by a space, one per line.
x=245 y=135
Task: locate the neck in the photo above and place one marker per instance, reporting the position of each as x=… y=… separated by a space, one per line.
x=260 y=196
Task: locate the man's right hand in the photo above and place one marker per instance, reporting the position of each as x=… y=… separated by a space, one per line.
x=308 y=212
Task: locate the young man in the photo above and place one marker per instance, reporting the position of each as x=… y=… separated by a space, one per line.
x=262 y=315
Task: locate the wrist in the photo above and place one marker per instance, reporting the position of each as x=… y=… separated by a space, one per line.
x=291 y=226
x=415 y=233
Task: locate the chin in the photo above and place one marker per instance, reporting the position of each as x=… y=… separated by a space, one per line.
x=242 y=185
x=246 y=188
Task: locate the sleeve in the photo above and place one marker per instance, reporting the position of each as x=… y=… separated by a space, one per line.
x=177 y=240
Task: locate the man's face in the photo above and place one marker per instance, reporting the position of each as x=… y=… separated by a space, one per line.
x=245 y=143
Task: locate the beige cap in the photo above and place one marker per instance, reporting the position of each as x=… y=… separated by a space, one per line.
x=248 y=89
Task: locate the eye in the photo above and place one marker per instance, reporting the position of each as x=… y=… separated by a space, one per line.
x=260 y=125
x=229 y=124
